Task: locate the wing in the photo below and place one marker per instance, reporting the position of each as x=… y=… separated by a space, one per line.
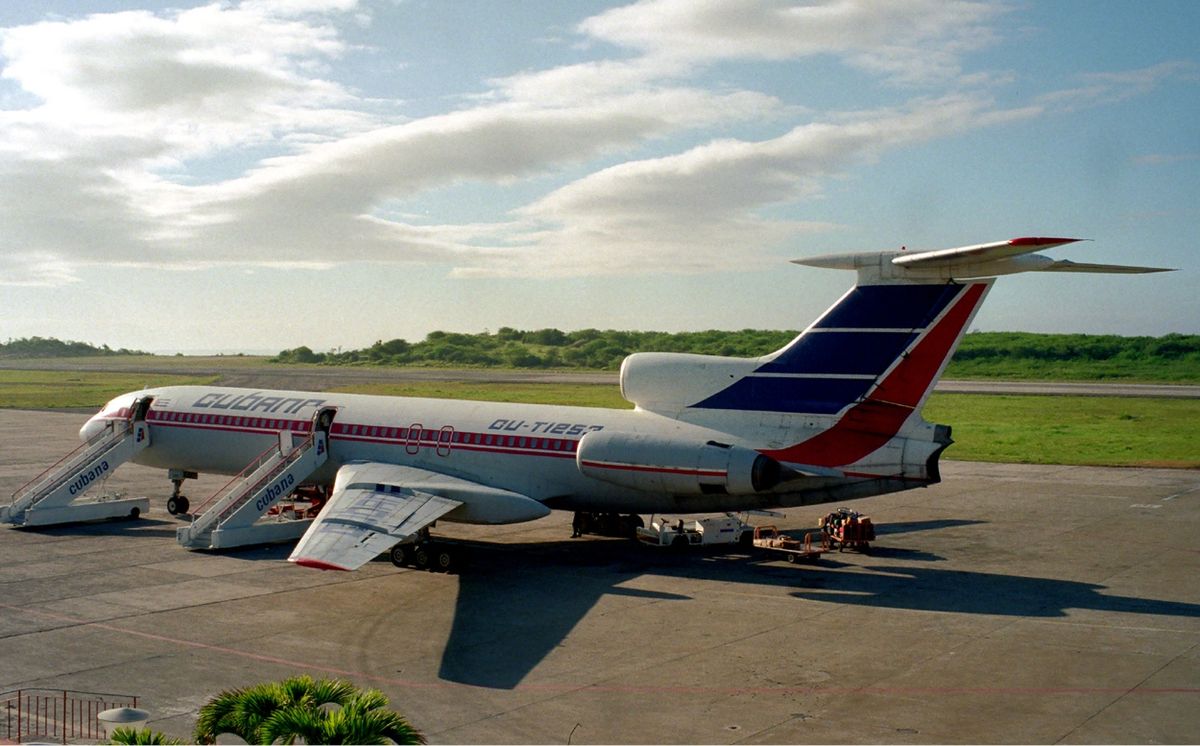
x=370 y=511
x=375 y=505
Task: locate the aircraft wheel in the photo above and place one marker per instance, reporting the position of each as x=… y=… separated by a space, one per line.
x=420 y=558
x=630 y=524
x=443 y=560
x=400 y=555
x=177 y=505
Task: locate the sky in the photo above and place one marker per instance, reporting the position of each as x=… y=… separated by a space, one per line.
x=258 y=175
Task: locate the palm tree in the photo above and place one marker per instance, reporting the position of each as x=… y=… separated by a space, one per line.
x=296 y=708
x=364 y=719
x=243 y=711
x=138 y=736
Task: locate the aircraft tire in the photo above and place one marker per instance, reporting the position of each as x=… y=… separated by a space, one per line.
x=400 y=555
x=630 y=524
x=420 y=558
x=444 y=560
x=173 y=505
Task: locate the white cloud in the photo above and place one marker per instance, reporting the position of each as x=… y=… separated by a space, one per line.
x=701 y=210
x=103 y=169
x=1106 y=88
x=120 y=96
x=907 y=41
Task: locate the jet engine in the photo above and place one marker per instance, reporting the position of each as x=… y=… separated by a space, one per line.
x=657 y=463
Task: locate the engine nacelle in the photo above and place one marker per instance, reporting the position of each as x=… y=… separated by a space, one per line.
x=655 y=463
x=669 y=381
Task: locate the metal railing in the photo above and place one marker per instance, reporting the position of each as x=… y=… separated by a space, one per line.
x=63 y=469
x=59 y=715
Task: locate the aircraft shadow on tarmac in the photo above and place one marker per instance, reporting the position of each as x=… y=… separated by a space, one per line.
x=516 y=604
x=964 y=592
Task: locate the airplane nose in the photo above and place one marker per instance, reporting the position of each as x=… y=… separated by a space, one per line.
x=91 y=428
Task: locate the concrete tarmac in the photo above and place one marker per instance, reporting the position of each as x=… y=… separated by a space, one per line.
x=1009 y=604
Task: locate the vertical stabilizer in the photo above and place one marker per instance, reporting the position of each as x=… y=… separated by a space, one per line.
x=855 y=347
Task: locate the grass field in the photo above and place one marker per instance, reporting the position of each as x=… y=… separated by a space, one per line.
x=1106 y=431
x=43 y=389
x=1093 y=430
x=569 y=394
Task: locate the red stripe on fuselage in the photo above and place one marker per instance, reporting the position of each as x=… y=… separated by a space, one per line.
x=871 y=423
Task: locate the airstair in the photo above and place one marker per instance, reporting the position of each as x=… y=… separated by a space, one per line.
x=231 y=517
x=56 y=495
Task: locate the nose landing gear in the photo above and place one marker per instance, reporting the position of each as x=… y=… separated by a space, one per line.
x=177 y=504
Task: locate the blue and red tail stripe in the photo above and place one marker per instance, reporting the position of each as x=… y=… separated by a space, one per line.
x=875 y=420
x=837 y=360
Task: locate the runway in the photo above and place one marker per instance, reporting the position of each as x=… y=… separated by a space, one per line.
x=1009 y=604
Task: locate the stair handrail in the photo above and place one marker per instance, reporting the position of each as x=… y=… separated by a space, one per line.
x=288 y=459
x=255 y=464
x=110 y=435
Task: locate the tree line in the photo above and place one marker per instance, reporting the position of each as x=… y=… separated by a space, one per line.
x=27 y=347
x=604 y=350
x=543 y=348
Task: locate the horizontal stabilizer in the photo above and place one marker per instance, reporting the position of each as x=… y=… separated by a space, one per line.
x=965 y=262
x=1066 y=265
x=984 y=252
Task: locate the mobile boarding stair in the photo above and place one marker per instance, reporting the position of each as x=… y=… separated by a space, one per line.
x=56 y=495
x=231 y=517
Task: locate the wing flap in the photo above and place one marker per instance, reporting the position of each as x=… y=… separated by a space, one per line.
x=370 y=511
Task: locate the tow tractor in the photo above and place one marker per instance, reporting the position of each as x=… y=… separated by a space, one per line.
x=848 y=529
x=680 y=533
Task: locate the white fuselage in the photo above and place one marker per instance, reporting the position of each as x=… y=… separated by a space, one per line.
x=528 y=449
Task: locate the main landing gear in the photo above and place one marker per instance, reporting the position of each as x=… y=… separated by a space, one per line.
x=606 y=524
x=427 y=554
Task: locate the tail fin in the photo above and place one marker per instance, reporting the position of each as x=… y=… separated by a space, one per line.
x=852 y=348
x=888 y=339
x=885 y=342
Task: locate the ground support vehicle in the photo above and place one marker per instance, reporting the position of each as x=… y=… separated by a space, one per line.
x=848 y=529
x=680 y=533
x=794 y=550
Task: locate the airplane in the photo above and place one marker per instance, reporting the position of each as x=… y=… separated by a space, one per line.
x=834 y=415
